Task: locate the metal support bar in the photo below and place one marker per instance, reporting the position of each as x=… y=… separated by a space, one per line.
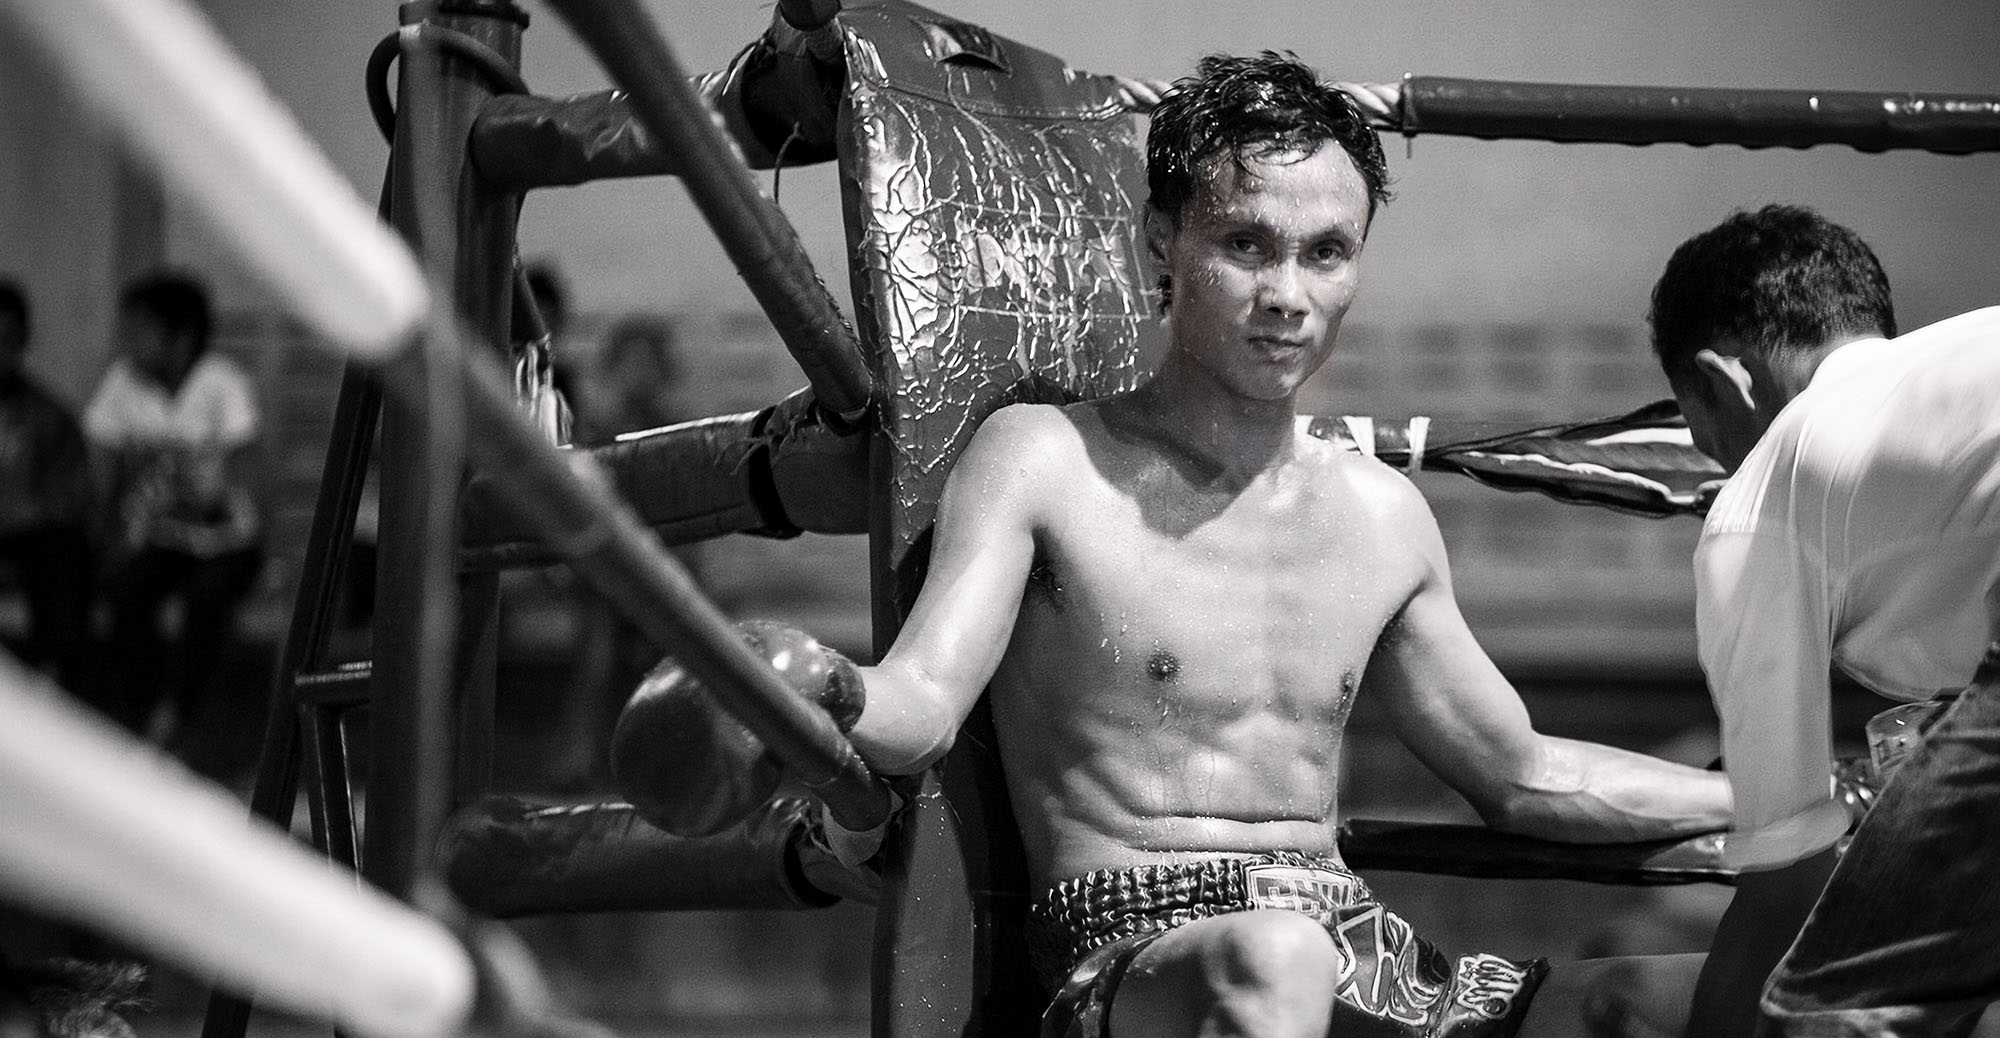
x=463 y=230
x=275 y=791
x=329 y=796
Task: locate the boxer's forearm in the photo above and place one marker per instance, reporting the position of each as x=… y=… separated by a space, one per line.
x=1585 y=792
x=906 y=726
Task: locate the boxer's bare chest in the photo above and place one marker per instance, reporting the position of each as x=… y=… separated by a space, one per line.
x=1148 y=577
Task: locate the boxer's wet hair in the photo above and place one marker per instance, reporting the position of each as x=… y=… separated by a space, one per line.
x=1781 y=280
x=1251 y=107
x=177 y=301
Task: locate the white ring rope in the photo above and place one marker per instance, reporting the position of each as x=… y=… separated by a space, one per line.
x=1378 y=101
x=204 y=121
x=1361 y=429
x=105 y=831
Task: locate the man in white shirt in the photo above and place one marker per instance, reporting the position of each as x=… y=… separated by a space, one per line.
x=1860 y=528
x=172 y=426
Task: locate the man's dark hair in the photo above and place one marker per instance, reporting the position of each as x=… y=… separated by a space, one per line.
x=177 y=301
x=1782 y=280
x=14 y=301
x=1247 y=108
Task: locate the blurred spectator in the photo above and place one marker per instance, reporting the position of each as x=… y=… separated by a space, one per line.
x=638 y=383
x=171 y=425
x=44 y=505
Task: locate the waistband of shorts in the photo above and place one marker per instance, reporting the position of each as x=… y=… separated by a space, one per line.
x=1076 y=915
x=1201 y=880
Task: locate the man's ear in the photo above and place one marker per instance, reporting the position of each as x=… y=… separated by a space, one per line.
x=1725 y=378
x=1159 y=234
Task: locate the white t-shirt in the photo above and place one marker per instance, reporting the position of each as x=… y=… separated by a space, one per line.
x=1863 y=530
x=174 y=446
x=215 y=406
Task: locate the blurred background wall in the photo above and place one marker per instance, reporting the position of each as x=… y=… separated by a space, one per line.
x=1508 y=281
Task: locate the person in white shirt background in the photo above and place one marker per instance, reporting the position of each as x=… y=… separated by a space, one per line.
x=1861 y=529
x=171 y=427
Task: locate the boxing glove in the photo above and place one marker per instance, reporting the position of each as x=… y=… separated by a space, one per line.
x=823 y=676
x=692 y=769
x=683 y=763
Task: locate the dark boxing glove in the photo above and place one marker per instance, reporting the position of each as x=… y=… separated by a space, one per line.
x=690 y=768
x=684 y=764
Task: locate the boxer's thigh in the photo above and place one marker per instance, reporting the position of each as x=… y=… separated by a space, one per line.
x=1257 y=972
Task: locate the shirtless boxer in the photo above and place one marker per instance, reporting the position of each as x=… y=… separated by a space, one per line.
x=1174 y=597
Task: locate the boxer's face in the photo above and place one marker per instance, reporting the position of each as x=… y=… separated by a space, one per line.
x=1265 y=263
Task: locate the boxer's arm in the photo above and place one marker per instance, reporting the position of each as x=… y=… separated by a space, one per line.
x=1464 y=720
x=983 y=546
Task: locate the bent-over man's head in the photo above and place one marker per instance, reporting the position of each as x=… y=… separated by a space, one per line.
x=1745 y=311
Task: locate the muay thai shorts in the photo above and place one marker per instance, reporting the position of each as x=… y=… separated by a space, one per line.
x=1084 y=933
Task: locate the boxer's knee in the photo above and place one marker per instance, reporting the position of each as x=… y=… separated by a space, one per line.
x=1261 y=973
x=1271 y=952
